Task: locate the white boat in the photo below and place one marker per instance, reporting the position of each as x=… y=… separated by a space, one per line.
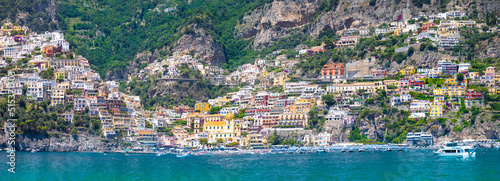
x=182 y=155
x=457 y=151
x=33 y=151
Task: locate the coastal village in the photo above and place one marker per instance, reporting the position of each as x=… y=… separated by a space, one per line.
x=269 y=100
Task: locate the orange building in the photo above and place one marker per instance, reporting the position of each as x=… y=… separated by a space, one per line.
x=331 y=71
x=426 y=25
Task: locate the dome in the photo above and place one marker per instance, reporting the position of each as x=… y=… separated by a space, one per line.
x=229 y=116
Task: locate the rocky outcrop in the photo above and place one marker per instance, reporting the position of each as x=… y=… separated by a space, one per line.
x=375 y=127
x=268 y=23
x=64 y=143
x=201 y=45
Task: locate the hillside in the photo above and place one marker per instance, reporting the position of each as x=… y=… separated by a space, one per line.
x=228 y=33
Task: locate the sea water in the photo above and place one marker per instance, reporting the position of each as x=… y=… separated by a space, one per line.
x=395 y=165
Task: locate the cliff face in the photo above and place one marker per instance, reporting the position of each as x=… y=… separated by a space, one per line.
x=202 y=45
x=282 y=17
x=63 y=143
x=268 y=23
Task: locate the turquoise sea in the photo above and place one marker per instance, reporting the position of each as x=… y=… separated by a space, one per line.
x=412 y=165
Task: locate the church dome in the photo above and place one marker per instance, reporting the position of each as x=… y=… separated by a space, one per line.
x=229 y=116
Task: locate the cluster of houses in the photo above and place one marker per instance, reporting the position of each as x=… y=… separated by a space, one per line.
x=169 y=67
x=17 y=42
x=442 y=29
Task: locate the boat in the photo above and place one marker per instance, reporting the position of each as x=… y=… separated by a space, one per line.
x=182 y=155
x=455 y=150
x=361 y=150
x=126 y=154
x=33 y=151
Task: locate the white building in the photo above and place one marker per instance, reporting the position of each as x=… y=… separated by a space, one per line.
x=419 y=106
x=463 y=67
x=294 y=87
x=321 y=139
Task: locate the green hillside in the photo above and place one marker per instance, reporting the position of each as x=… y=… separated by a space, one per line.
x=129 y=27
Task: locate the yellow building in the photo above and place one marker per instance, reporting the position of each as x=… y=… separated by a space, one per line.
x=255 y=139
x=279 y=79
x=497 y=78
x=300 y=107
x=407 y=70
x=455 y=91
x=436 y=110
x=123 y=121
x=57 y=96
x=451 y=81
x=474 y=75
x=439 y=92
x=202 y=107
x=225 y=129
x=197 y=119
x=63 y=85
x=439 y=99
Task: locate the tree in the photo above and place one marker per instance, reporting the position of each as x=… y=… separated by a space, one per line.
x=329 y=44
x=411 y=21
x=203 y=141
x=214 y=110
x=60 y=78
x=274 y=138
x=410 y=52
x=220 y=140
x=148 y=124
x=460 y=77
x=328 y=99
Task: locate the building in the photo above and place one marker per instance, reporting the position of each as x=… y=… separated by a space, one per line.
x=202 y=107
x=332 y=71
x=436 y=110
x=225 y=129
x=293 y=120
x=398 y=99
x=473 y=94
x=427 y=25
x=321 y=139
x=414 y=138
x=419 y=106
x=350 y=89
x=61 y=63
x=379 y=72
x=294 y=87
x=57 y=96
x=347 y=41
x=449 y=41
x=202 y=118
x=407 y=70
x=463 y=67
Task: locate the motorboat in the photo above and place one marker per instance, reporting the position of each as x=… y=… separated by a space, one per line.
x=182 y=155
x=457 y=151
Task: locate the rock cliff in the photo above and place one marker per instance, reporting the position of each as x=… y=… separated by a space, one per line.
x=63 y=143
x=201 y=45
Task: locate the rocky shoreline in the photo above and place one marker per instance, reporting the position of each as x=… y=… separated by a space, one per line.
x=64 y=143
